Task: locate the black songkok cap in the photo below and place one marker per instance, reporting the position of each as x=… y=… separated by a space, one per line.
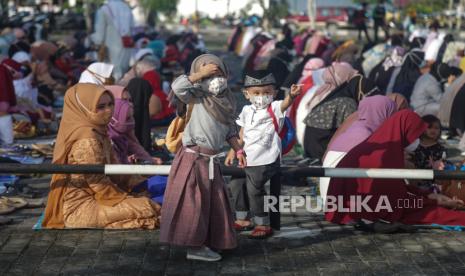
x=259 y=78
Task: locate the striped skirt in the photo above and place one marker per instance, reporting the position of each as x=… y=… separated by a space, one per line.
x=196 y=210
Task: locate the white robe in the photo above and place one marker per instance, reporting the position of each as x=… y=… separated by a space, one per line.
x=109 y=28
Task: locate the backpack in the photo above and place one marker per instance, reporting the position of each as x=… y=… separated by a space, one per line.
x=173 y=139
x=287 y=133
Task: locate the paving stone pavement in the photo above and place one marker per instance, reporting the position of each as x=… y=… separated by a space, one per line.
x=307 y=245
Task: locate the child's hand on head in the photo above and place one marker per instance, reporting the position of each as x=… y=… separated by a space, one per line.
x=296 y=89
x=208 y=70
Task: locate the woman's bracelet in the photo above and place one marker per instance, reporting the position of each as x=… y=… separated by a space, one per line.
x=240 y=153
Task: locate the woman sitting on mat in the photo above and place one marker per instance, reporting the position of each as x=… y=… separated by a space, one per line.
x=121 y=131
x=391 y=201
x=126 y=146
x=90 y=200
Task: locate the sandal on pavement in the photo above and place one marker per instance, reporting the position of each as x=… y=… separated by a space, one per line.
x=242 y=228
x=6 y=209
x=44 y=149
x=15 y=202
x=35 y=202
x=261 y=233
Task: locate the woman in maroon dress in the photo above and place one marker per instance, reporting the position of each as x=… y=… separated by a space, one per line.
x=399 y=202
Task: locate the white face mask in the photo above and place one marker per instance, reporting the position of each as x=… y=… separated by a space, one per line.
x=318 y=76
x=261 y=102
x=413 y=146
x=215 y=85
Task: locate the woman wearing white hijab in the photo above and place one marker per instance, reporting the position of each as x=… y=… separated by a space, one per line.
x=97 y=73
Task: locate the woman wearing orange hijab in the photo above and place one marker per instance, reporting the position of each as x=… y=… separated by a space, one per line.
x=92 y=201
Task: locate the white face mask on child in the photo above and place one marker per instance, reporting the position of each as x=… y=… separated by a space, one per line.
x=215 y=85
x=261 y=102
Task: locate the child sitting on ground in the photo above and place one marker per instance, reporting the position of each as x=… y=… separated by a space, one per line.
x=429 y=150
x=262 y=147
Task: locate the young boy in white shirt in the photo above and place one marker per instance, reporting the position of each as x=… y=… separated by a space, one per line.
x=262 y=146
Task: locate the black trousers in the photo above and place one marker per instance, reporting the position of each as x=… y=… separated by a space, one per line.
x=248 y=193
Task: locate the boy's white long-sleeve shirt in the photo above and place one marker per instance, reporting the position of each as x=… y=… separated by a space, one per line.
x=262 y=144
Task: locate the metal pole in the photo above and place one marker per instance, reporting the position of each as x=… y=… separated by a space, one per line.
x=8 y=168
x=140 y=169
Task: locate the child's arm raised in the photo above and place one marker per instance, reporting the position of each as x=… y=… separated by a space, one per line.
x=183 y=85
x=295 y=91
x=205 y=71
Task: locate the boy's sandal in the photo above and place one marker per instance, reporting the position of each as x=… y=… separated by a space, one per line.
x=241 y=228
x=258 y=233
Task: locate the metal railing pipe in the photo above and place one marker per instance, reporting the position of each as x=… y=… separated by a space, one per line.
x=14 y=168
